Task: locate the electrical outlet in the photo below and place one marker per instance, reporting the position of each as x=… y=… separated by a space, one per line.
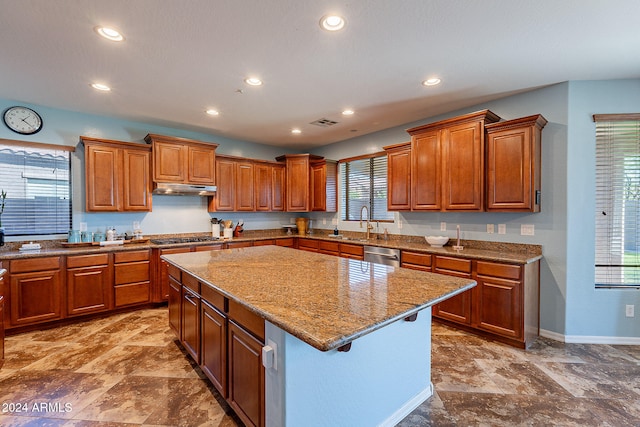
x=324 y=221
x=83 y=226
x=292 y=220
x=629 y=310
x=399 y=223
x=502 y=228
x=136 y=225
x=443 y=226
x=527 y=229
x=490 y=228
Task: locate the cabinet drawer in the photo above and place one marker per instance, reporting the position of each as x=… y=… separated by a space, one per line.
x=506 y=271
x=202 y=248
x=416 y=258
x=249 y=320
x=234 y=245
x=132 y=272
x=285 y=242
x=213 y=297
x=308 y=244
x=191 y=282
x=346 y=249
x=330 y=247
x=34 y=264
x=134 y=293
x=87 y=260
x=132 y=256
x=453 y=264
x=174 y=272
x=264 y=242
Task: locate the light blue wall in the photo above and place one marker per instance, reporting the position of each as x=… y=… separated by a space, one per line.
x=171 y=214
x=593 y=312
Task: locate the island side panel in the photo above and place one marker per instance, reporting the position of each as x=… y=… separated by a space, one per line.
x=385 y=375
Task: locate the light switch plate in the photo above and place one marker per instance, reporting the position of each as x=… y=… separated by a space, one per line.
x=490 y=228
x=502 y=228
x=443 y=226
x=527 y=229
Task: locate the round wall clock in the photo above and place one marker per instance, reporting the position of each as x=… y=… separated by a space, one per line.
x=22 y=120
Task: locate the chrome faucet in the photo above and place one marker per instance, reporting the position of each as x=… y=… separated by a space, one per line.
x=367 y=219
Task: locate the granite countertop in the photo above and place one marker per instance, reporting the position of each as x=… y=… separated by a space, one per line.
x=473 y=249
x=324 y=300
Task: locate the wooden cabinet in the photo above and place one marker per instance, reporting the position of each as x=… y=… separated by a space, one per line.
x=416 y=260
x=190 y=318
x=117 y=176
x=181 y=160
x=175 y=301
x=89 y=284
x=278 y=188
x=213 y=350
x=235 y=192
x=458 y=307
x=325 y=247
x=348 y=250
x=310 y=245
x=513 y=164
x=447 y=169
x=35 y=290
x=242 y=244
x=398 y=176
x=244 y=187
x=288 y=242
x=269 y=186
x=161 y=287
x=323 y=186
x=132 y=274
x=310 y=183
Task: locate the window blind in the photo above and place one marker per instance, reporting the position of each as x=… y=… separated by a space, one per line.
x=617 y=246
x=363 y=182
x=37 y=181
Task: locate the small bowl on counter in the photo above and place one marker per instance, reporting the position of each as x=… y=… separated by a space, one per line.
x=437 y=241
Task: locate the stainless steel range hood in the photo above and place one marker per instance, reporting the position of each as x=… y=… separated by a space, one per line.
x=174 y=189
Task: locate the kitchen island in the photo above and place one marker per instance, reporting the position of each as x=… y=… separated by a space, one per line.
x=345 y=342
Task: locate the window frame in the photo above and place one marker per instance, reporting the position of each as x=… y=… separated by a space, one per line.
x=344 y=213
x=26 y=145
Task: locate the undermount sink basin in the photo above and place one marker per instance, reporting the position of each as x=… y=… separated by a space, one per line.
x=354 y=240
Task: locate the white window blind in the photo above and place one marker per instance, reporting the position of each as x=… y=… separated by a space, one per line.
x=363 y=182
x=36 y=178
x=617 y=200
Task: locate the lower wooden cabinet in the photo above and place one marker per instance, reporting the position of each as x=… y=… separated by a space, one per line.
x=458 y=307
x=89 y=284
x=246 y=376
x=191 y=322
x=310 y=245
x=132 y=271
x=175 y=306
x=213 y=349
x=35 y=290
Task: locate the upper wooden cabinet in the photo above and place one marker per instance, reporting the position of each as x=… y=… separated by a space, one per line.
x=117 y=176
x=398 y=176
x=447 y=169
x=269 y=186
x=235 y=182
x=182 y=160
x=310 y=183
x=513 y=164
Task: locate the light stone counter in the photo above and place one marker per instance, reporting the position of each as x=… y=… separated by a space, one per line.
x=324 y=300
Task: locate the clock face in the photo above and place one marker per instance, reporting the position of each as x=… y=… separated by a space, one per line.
x=22 y=120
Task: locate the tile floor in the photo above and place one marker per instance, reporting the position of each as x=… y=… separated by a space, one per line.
x=127 y=370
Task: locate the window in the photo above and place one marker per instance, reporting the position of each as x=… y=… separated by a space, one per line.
x=617 y=200
x=363 y=182
x=36 y=178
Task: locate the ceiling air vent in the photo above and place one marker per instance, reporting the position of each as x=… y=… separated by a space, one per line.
x=325 y=123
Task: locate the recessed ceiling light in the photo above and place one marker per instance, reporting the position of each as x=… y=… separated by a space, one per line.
x=253 y=81
x=101 y=87
x=212 y=112
x=109 y=34
x=332 y=22
x=296 y=131
x=431 y=82
x=348 y=112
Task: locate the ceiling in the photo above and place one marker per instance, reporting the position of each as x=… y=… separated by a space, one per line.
x=180 y=58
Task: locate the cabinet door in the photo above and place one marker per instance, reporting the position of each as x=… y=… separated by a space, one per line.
x=88 y=290
x=458 y=307
x=246 y=376
x=278 y=188
x=416 y=261
x=175 y=312
x=169 y=161
x=499 y=306
x=399 y=179
x=163 y=273
x=191 y=323
x=298 y=184
x=463 y=167
x=318 y=187
x=513 y=165
x=244 y=187
x=102 y=172
x=201 y=165
x=214 y=347
x=224 y=200
x=425 y=171
x=36 y=297
x=263 y=192
x=136 y=180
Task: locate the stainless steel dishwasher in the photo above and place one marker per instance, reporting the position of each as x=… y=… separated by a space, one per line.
x=386 y=256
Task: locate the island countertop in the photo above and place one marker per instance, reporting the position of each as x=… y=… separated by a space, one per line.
x=324 y=300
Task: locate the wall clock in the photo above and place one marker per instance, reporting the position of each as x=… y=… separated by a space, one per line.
x=22 y=120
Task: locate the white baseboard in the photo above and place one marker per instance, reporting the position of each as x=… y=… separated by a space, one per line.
x=408 y=407
x=586 y=339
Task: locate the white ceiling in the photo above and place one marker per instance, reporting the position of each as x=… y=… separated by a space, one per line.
x=182 y=57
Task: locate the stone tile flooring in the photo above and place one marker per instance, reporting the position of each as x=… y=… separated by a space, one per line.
x=127 y=370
